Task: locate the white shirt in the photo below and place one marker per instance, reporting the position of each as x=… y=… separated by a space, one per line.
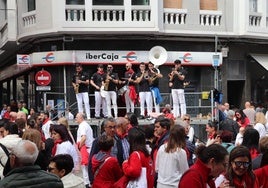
x=85 y=129
x=72 y=181
x=261 y=129
x=191 y=134
x=170 y=166
x=46 y=127
x=68 y=148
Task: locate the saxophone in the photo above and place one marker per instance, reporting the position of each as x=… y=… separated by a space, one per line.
x=107 y=81
x=76 y=86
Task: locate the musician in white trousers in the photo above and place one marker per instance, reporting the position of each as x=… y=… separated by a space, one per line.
x=144 y=91
x=176 y=82
x=130 y=94
x=96 y=81
x=80 y=83
x=110 y=82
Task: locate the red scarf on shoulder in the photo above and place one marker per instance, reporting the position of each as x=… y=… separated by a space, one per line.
x=54 y=149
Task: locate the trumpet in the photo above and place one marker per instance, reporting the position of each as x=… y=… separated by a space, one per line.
x=76 y=86
x=154 y=76
x=175 y=72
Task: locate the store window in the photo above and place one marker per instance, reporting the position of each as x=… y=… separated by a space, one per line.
x=31 y=5
x=140 y=2
x=75 y=2
x=253 y=5
x=108 y=2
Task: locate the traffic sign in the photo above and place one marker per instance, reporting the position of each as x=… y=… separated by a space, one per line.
x=42 y=78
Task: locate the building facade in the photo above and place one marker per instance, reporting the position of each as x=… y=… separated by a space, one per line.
x=61 y=32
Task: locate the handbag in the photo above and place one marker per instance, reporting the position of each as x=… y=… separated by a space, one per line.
x=140 y=182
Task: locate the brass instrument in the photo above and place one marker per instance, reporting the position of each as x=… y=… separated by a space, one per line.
x=107 y=81
x=154 y=76
x=76 y=86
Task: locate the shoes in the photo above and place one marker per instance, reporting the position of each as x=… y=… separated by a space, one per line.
x=88 y=119
x=98 y=117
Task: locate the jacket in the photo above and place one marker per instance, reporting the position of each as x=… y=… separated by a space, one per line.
x=106 y=170
x=197 y=176
x=30 y=177
x=132 y=167
x=261 y=175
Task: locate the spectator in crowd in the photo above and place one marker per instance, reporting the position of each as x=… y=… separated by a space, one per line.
x=109 y=126
x=239 y=173
x=139 y=157
x=84 y=141
x=260 y=123
x=211 y=129
x=24 y=173
x=10 y=140
x=249 y=111
x=62 y=166
x=251 y=139
x=2 y=123
x=226 y=140
x=132 y=118
x=3 y=111
x=211 y=162
x=171 y=159
x=262 y=172
x=263 y=147
x=188 y=128
x=43 y=156
x=241 y=118
x=122 y=132
x=105 y=167
x=161 y=127
x=46 y=122
x=6 y=115
x=229 y=124
x=63 y=143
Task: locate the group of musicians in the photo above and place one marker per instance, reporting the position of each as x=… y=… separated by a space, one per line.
x=146 y=81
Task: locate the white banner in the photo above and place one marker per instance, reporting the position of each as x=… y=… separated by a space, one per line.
x=120 y=57
x=23 y=59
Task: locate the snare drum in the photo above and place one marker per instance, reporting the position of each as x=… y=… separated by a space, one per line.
x=122 y=90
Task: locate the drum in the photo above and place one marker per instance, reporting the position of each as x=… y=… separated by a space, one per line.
x=122 y=90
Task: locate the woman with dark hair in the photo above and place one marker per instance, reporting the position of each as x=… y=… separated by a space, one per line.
x=251 y=139
x=63 y=144
x=171 y=159
x=132 y=119
x=241 y=118
x=139 y=157
x=239 y=171
x=211 y=129
x=211 y=162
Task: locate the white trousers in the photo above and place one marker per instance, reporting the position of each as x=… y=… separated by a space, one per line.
x=80 y=97
x=129 y=102
x=179 y=105
x=111 y=97
x=156 y=106
x=100 y=102
x=84 y=170
x=146 y=97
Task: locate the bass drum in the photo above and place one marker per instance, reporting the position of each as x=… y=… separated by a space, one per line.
x=103 y=92
x=122 y=90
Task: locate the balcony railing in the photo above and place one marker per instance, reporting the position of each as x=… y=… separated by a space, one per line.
x=255 y=19
x=210 y=17
x=29 y=19
x=175 y=16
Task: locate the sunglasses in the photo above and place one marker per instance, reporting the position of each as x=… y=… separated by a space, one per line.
x=186 y=119
x=241 y=163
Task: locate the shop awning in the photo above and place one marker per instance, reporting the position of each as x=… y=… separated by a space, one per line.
x=13 y=70
x=262 y=59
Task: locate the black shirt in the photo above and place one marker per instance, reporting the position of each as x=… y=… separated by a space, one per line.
x=83 y=77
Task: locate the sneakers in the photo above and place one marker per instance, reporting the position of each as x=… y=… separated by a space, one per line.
x=98 y=117
x=141 y=117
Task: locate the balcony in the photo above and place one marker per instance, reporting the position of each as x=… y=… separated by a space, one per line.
x=142 y=19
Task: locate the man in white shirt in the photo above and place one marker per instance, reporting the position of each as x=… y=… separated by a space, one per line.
x=84 y=143
x=46 y=122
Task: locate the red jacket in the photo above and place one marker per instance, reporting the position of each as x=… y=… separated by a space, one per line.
x=132 y=167
x=197 y=176
x=108 y=174
x=246 y=180
x=261 y=175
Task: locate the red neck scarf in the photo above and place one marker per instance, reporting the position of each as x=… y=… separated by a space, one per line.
x=130 y=71
x=54 y=149
x=100 y=72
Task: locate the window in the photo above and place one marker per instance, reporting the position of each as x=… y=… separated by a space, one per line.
x=140 y=2
x=75 y=2
x=253 y=5
x=108 y=2
x=31 y=5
